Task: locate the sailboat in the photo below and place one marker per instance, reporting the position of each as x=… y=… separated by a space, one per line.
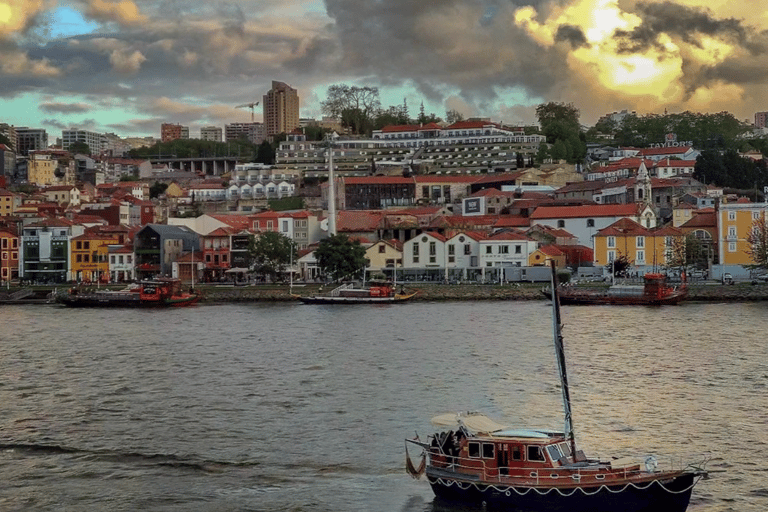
x=480 y=461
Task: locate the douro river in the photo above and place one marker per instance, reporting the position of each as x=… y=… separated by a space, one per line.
x=289 y=407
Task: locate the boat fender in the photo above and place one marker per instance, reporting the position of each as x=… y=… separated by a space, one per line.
x=651 y=464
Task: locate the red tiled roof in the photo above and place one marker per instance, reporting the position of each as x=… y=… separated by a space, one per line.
x=512 y=221
x=665 y=151
x=592 y=210
x=624 y=227
x=466 y=125
x=236 y=221
x=378 y=180
x=508 y=235
x=355 y=220
x=410 y=127
x=551 y=250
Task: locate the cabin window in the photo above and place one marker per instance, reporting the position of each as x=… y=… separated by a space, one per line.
x=566 y=449
x=474 y=450
x=488 y=451
x=554 y=452
x=535 y=454
x=516 y=455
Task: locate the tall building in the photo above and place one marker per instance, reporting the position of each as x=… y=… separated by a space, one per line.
x=30 y=139
x=212 y=133
x=281 y=109
x=172 y=131
x=761 y=119
x=252 y=132
x=10 y=132
x=95 y=141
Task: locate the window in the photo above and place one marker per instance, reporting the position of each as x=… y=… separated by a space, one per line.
x=755 y=215
x=561 y=223
x=731 y=246
x=731 y=231
x=554 y=452
x=415 y=249
x=611 y=241
x=382 y=249
x=731 y=215
x=474 y=450
x=503 y=249
x=467 y=249
x=518 y=249
x=590 y=223
x=611 y=256
x=640 y=241
x=488 y=249
x=516 y=454
x=432 y=248
x=535 y=454
x=640 y=258
x=451 y=250
x=488 y=451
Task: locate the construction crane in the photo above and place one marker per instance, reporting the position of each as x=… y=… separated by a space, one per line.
x=250 y=106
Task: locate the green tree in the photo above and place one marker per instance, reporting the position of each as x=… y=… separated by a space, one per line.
x=270 y=253
x=559 y=151
x=394 y=115
x=619 y=265
x=339 y=257
x=758 y=244
x=560 y=123
x=157 y=189
x=5 y=140
x=686 y=253
x=266 y=153
x=543 y=153
x=79 y=148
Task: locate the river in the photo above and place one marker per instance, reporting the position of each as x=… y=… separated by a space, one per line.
x=290 y=407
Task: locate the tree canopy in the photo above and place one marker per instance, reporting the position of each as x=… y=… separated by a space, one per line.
x=560 y=124
x=758 y=244
x=707 y=131
x=339 y=257
x=730 y=170
x=270 y=253
x=5 y=140
x=356 y=106
x=79 y=148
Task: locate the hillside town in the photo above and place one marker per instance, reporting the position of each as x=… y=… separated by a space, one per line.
x=457 y=202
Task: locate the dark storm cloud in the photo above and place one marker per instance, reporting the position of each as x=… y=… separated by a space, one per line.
x=64 y=108
x=571 y=34
x=687 y=23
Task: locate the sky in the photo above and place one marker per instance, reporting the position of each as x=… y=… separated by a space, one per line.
x=126 y=66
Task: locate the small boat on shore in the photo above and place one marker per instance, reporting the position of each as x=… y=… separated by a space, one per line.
x=155 y=293
x=478 y=461
x=655 y=291
x=377 y=292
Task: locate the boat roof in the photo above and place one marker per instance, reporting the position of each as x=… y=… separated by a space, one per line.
x=477 y=423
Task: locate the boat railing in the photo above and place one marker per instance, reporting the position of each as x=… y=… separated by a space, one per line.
x=337 y=291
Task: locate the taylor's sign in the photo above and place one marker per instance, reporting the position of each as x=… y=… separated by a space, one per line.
x=682 y=144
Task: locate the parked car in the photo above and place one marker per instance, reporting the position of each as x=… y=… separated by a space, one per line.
x=727 y=278
x=760 y=277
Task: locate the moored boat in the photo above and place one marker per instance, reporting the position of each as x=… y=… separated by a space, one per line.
x=377 y=292
x=655 y=291
x=476 y=460
x=161 y=292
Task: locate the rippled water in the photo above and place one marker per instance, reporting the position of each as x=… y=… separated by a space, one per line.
x=305 y=408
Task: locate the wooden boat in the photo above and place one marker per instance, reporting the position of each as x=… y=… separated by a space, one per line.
x=377 y=292
x=482 y=462
x=655 y=291
x=161 y=292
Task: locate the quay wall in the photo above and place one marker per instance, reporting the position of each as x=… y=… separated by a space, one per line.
x=436 y=292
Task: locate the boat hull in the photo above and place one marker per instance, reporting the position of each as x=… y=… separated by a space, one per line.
x=585 y=298
x=96 y=301
x=355 y=300
x=671 y=494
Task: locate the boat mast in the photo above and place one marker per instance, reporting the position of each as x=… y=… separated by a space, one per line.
x=560 y=353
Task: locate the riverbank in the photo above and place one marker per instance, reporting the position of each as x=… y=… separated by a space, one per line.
x=709 y=292
x=701 y=292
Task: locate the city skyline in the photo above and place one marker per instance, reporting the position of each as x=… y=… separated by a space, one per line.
x=127 y=67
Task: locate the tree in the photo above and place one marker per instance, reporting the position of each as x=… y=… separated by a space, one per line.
x=686 y=253
x=619 y=266
x=758 y=244
x=339 y=257
x=560 y=123
x=270 y=252
x=356 y=106
x=157 y=189
x=453 y=116
x=79 y=148
x=5 y=140
x=265 y=153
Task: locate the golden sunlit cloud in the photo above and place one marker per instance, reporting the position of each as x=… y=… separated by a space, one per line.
x=654 y=69
x=124 y=12
x=15 y=14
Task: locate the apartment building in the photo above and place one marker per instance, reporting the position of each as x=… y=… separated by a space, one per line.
x=212 y=133
x=281 y=109
x=96 y=141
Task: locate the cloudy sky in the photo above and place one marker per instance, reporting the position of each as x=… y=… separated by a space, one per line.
x=125 y=66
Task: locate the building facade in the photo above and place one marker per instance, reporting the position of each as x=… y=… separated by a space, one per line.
x=212 y=133
x=96 y=141
x=281 y=109
x=30 y=139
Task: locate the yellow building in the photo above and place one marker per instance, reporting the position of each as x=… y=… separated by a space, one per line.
x=89 y=257
x=643 y=247
x=8 y=202
x=734 y=223
x=41 y=169
x=384 y=254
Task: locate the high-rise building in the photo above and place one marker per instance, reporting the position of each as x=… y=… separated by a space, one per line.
x=281 y=109
x=95 y=141
x=172 y=131
x=30 y=139
x=212 y=133
x=252 y=132
x=761 y=119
